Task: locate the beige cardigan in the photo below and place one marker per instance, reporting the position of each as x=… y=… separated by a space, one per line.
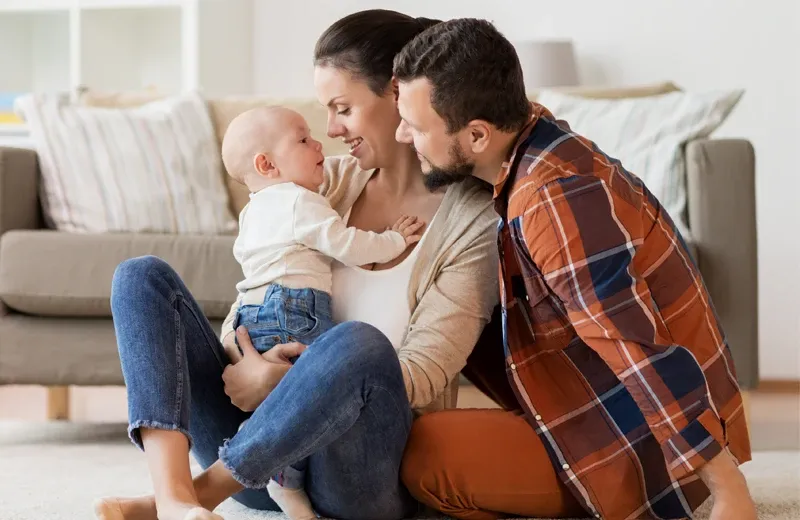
x=453 y=286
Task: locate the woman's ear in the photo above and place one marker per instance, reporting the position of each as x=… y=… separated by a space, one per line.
x=480 y=134
x=265 y=167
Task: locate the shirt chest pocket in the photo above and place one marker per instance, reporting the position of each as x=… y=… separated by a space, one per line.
x=548 y=318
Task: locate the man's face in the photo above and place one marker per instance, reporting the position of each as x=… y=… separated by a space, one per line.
x=443 y=158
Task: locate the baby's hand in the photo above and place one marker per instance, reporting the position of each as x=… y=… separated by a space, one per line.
x=407 y=226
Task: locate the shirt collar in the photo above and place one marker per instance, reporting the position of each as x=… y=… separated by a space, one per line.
x=537 y=111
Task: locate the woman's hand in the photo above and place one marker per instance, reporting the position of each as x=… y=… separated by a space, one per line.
x=230 y=347
x=252 y=376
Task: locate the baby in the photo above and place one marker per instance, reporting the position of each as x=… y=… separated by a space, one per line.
x=288 y=234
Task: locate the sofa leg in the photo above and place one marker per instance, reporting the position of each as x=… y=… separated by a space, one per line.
x=57 y=403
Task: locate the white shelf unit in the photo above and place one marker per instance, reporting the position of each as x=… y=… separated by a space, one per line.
x=167 y=46
x=34 y=50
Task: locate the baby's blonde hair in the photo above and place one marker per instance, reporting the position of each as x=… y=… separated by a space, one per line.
x=249 y=134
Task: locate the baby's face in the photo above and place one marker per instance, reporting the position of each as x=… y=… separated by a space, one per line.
x=297 y=155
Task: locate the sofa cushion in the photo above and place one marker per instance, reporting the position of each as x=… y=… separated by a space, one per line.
x=60 y=351
x=50 y=273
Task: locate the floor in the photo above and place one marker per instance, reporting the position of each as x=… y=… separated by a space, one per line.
x=96 y=434
x=53 y=471
x=775 y=415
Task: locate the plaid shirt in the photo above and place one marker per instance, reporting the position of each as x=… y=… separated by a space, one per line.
x=612 y=344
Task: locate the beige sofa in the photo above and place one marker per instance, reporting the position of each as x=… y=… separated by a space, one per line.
x=55 y=324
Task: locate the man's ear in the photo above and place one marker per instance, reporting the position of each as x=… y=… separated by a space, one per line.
x=479 y=134
x=264 y=166
x=395 y=89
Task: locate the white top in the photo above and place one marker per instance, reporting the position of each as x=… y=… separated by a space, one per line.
x=288 y=235
x=379 y=298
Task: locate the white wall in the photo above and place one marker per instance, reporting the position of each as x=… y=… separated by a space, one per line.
x=16 y=75
x=699 y=44
x=40 y=55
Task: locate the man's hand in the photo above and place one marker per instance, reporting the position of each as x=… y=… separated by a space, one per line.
x=732 y=500
x=251 y=377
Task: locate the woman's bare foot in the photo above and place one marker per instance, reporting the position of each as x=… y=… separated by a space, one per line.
x=144 y=508
x=119 y=508
x=198 y=513
x=174 y=510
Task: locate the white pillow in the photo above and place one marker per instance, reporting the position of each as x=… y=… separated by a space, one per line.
x=648 y=134
x=154 y=168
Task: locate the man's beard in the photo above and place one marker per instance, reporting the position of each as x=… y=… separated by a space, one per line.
x=459 y=169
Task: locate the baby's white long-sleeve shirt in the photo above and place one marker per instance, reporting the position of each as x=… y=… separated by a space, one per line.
x=289 y=234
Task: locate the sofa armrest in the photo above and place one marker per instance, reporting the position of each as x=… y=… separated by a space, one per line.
x=19 y=192
x=722 y=220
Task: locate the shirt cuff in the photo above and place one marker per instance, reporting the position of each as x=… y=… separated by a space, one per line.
x=699 y=442
x=399 y=241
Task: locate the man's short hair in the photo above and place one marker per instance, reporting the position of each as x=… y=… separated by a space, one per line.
x=474 y=72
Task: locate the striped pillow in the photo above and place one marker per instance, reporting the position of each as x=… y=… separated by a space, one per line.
x=154 y=168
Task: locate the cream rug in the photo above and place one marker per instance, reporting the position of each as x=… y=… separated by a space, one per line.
x=52 y=471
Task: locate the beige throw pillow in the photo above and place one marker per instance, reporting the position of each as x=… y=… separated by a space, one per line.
x=611 y=92
x=648 y=134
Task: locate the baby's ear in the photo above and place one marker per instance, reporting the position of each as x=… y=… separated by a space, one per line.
x=264 y=166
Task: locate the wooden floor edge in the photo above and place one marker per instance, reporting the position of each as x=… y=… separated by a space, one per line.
x=783 y=386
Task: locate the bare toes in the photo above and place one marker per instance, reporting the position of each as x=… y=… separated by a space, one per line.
x=199 y=513
x=115 y=508
x=107 y=509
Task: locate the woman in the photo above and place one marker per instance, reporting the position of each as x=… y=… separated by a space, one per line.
x=347 y=404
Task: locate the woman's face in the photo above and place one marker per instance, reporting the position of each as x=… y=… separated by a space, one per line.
x=362 y=119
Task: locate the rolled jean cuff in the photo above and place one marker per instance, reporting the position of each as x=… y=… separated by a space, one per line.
x=136 y=437
x=249 y=483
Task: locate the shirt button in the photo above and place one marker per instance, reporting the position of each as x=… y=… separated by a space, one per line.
x=538 y=417
x=513 y=366
x=565 y=466
x=597 y=515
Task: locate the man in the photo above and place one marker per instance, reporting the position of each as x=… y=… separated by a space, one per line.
x=621 y=396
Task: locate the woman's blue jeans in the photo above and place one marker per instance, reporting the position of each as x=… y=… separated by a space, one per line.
x=343 y=405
